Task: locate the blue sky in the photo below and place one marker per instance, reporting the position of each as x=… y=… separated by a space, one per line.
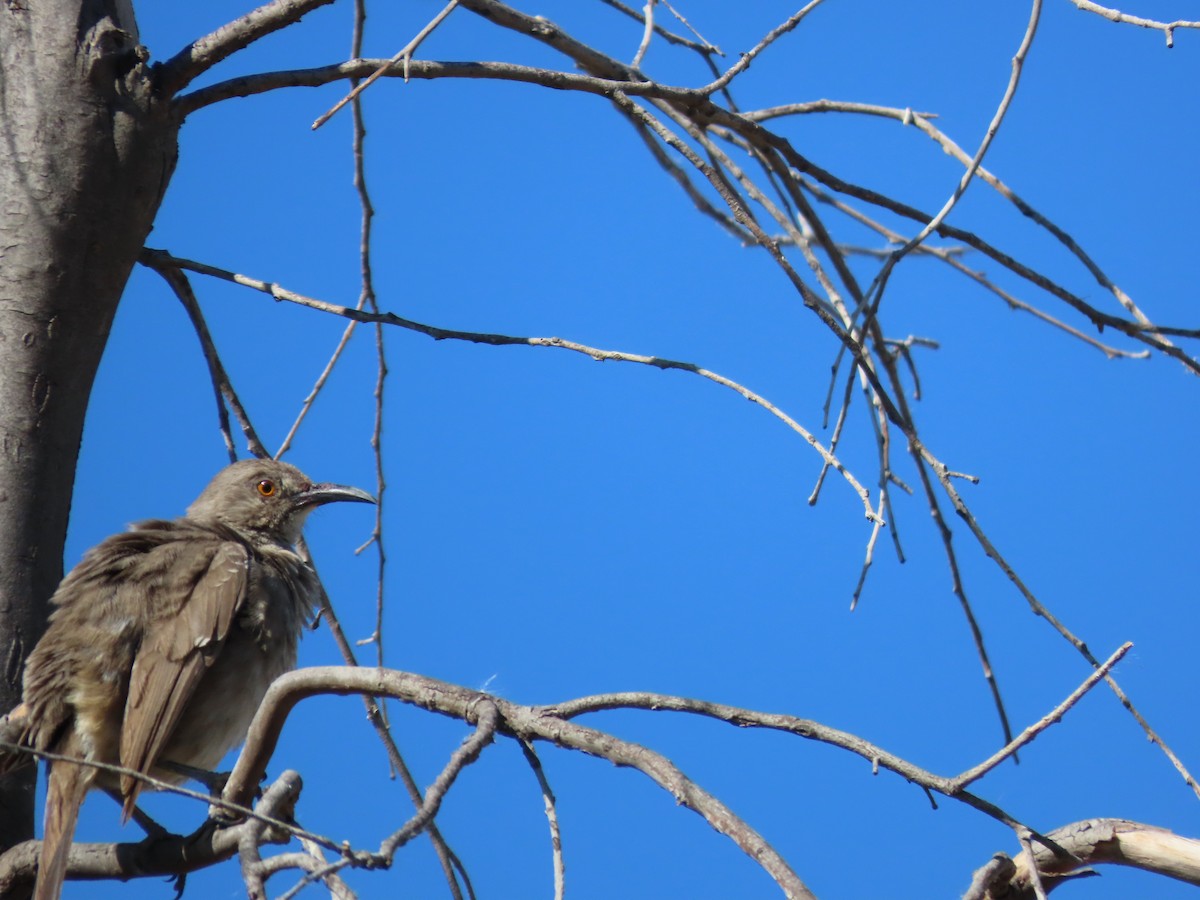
x=557 y=527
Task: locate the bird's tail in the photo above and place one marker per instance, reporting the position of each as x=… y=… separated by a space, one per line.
x=68 y=784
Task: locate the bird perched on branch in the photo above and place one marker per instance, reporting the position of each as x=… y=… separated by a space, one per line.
x=163 y=642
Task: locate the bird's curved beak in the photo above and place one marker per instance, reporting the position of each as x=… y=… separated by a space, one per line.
x=320 y=494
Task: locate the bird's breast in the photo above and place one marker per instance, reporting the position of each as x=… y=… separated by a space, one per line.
x=224 y=703
x=260 y=647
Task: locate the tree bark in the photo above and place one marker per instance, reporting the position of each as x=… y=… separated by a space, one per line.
x=86 y=151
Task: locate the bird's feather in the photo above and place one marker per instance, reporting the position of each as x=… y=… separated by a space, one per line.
x=64 y=793
x=177 y=648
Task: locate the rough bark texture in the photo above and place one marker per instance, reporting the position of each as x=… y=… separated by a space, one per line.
x=86 y=150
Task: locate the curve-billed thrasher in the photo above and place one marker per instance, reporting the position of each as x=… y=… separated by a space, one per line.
x=164 y=641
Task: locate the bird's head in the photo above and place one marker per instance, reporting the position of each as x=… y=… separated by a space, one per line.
x=267 y=497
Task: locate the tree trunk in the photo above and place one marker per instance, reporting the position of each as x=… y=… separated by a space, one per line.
x=86 y=150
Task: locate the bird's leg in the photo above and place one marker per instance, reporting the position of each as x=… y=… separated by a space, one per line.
x=153 y=830
x=214 y=781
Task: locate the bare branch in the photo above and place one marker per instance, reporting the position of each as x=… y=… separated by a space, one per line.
x=610 y=82
x=318 y=385
x=282 y=796
x=250 y=85
x=551 y=816
x=1018 y=64
x=922 y=122
x=1098 y=318
x=514 y=720
x=943 y=254
x=168 y=855
x=374 y=707
x=316 y=868
x=1039 y=609
x=498 y=340
x=1055 y=715
x=990 y=879
x=1035 y=878
x=689 y=188
x=707 y=46
x=486 y=718
x=201 y=55
x=367 y=300
x=810 y=730
x=220 y=378
x=544 y=31
x=773 y=35
x=647 y=34
x=811 y=300
x=491 y=715
x=404 y=55
x=1167 y=28
x=1087 y=843
x=904 y=116
x=704 y=48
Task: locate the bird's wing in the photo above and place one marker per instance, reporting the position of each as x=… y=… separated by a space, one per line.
x=200 y=595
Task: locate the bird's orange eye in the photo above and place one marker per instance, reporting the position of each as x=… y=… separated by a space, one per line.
x=266 y=487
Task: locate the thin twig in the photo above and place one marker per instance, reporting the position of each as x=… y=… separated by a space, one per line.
x=843 y=411
x=708 y=45
x=745 y=59
x=809 y=297
x=922 y=122
x=373 y=705
x=704 y=48
x=1010 y=91
x=367 y=300
x=1039 y=609
x=486 y=718
x=248 y=85
x=307 y=405
x=978 y=277
x=234 y=809
x=560 y=870
x=220 y=378
x=1099 y=318
x=924 y=462
x=1026 y=841
x=405 y=53
x=595 y=353
x=879 y=426
x=1167 y=28
x=647 y=34
x=685 y=182
x=1027 y=736
x=318 y=869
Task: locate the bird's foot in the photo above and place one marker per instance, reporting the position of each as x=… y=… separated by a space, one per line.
x=154 y=833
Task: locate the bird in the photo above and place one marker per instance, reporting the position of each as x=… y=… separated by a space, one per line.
x=163 y=641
